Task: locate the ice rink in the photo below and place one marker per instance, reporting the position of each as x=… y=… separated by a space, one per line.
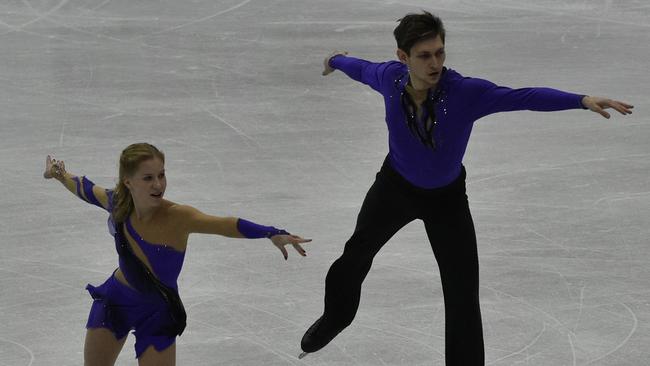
x=232 y=92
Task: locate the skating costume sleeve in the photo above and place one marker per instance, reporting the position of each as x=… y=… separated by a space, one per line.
x=85 y=192
x=252 y=230
x=485 y=97
x=375 y=75
x=110 y=221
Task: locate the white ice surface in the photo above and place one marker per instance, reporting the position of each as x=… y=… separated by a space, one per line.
x=231 y=91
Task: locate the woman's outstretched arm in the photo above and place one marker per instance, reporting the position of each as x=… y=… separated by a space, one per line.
x=195 y=221
x=81 y=187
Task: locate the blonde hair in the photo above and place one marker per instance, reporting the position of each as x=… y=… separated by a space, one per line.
x=130 y=160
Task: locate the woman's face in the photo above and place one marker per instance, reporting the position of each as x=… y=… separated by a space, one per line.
x=424 y=62
x=147 y=185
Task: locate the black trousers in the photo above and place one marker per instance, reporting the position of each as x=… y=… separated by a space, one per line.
x=390 y=204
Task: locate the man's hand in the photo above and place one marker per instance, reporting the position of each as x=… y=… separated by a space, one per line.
x=598 y=105
x=328 y=69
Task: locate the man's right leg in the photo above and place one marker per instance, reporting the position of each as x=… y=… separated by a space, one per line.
x=385 y=210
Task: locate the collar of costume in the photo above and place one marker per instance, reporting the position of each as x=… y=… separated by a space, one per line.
x=403 y=80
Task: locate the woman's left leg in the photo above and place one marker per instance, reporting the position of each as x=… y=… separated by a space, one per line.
x=152 y=345
x=101 y=348
x=153 y=357
x=453 y=240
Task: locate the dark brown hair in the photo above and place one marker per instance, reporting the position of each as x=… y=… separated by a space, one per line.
x=414 y=28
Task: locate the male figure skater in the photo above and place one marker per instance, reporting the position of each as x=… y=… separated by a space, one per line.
x=430 y=111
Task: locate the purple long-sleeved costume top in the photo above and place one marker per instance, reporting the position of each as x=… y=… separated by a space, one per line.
x=460 y=102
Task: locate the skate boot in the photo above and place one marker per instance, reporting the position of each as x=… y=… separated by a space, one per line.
x=317 y=336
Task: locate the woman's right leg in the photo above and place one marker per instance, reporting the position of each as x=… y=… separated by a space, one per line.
x=385 y=210
x=101 y=348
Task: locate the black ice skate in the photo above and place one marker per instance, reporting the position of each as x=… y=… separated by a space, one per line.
x=317 y=337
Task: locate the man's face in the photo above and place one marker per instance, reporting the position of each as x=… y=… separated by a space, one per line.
x=425 y=62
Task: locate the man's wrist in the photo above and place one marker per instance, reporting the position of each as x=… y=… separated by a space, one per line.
x=329 y=62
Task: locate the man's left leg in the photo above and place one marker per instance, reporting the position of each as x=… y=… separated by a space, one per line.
x=453 y=240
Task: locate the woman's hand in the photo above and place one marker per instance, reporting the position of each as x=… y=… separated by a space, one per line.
x=329 y=69
x=598 y=105
x=54 y=168
x=281 y=240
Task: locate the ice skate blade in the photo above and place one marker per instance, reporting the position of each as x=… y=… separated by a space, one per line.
x=302 y=355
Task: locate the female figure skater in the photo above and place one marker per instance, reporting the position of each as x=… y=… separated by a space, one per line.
x=430 y=111
x=151 y=237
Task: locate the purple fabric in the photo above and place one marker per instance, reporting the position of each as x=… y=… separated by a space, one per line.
x=88 y=191
x=166 y=262
x=86 y=185
x=110 y=222
x=121 y=309
x=463 y=100
x=252 y=230
x=77 y=182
